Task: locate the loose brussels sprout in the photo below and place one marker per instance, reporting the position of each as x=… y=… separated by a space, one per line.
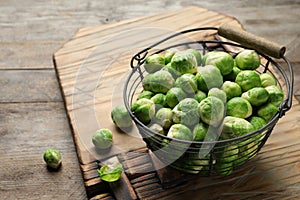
x=181 y=132
x=209 y=77
x=186 y=112
x=232 y=75
x=173 y=96
x=158 y=82
x=187 y=82
x=231 y=89
x=200 y=131
x=154 y=63
x=184 y=62
x=220 y=59
x=110 y=173
x=248 y=79
x=164 y=117
x=238 y=107
x=102 y=139
x=225 y=159
x=175 y=74
x=197 y=55
x=247 y=149
x=211 y=111
x=267 y=111
x=257 y=122
x=276 y=94
x=121 y=117
x=169 y=54
x=145 y=94
x=267 y=79
x=199 y=96
x=247 y=60
x=159 y=100
x=144 y=110
x=256 y=96
x=216 y=92
x=235 y=127
x=53 y=158
x=157 y=128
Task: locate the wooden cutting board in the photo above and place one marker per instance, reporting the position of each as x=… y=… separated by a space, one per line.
x=92 y=67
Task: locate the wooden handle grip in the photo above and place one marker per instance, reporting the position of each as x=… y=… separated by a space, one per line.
x=251 y=41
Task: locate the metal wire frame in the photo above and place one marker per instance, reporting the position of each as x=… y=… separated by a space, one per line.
x=251 y=143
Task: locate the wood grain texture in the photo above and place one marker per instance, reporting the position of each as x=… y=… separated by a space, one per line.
x=26 y=131
x=32 y=30
x=29 y=86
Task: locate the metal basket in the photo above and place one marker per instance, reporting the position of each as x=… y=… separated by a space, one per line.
x=214 y=157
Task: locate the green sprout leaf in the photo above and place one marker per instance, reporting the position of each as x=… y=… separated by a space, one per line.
x=110 y=173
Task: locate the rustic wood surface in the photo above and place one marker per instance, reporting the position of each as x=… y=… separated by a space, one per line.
x=32 y=112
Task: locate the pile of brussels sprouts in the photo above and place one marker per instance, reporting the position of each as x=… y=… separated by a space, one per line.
x=186 y=93
x=184 y=89
x=194 y=97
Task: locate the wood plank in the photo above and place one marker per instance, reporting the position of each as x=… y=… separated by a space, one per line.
x=27 y=55
x=29 y=86
x=32 y=128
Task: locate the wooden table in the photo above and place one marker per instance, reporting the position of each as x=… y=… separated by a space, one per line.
x=32 y=113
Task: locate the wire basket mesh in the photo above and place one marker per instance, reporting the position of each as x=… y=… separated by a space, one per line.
x=212 y=156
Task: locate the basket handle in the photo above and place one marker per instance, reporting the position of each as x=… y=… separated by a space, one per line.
x=251 y=41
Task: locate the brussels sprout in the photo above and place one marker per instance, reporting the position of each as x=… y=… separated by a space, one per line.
x=199 y=96
x=276 y=94
x=211 y=110
x=145 y=94
x=102 y=139
x=121 y=117
x=247 y=60
x=169 y=54
x=184 y=62
x=187 y=82
x=164 y=117
x=144 y=110
x=247 y=149
x=216 y=92
x=186 y=112
x=209 y=77
x=197 y=55
x=238 y=107
x=158 y=82
x=234 y=127
x=231 y=89
x=110 y=173
x=220 y=59
x=191 y=163
x=154 y=63
x=257 y=122
x=159 y=100
x=256 y=96
x=200 y=131
x=53 y=158
x=248 y=79
x=175 y=74
x=267 y=111
x=173 y=96
x=267 y=79
x=232 y=75
x=181 y=132
x=157 y=128
x=225 y=159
